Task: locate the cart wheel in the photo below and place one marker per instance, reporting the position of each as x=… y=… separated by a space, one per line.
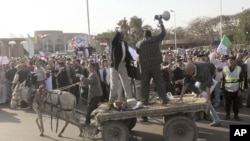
x=115 y=131
x=130 y=123
x=180 y=128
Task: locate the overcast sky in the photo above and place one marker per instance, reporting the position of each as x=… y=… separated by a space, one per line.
x=19 y=17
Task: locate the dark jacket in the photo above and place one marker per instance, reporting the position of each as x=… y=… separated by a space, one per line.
x=116 y=54
x=94 y=84
x=204 y=75
x=149 y=49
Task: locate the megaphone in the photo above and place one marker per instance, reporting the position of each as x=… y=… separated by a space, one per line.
x=165 y=16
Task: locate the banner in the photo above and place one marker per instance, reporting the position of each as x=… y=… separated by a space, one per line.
x=80 y=40
x=181 y=51
x=4 y=60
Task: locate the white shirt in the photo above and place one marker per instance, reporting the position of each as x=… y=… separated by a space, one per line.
x=107 y=75
x=219 y=65
x=123 y=52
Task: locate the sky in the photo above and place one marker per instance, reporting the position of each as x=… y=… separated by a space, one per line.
x=22 y=17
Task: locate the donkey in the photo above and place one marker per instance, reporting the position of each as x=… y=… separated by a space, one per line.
x=53 y=102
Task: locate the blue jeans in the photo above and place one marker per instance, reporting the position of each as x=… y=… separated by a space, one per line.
x=214 y=114
x=217 y=94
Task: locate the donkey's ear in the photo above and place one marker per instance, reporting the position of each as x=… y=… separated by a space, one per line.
x=23 y=84
x=17 y=87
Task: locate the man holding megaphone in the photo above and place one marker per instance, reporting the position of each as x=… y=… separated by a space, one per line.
x=150 y=59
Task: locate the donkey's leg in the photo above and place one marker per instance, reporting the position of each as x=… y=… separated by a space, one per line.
x=37 y=123
x=80 y=135
x=64 y=127
x=41 y=123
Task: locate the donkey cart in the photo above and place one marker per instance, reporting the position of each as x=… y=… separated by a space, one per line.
x=178 y=125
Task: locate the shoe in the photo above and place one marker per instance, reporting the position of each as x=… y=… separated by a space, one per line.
x=237 y=118
x=215 y=124
x=144 y=119
x=227 y=118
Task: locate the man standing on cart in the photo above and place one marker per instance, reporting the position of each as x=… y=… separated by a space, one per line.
x=150 y=59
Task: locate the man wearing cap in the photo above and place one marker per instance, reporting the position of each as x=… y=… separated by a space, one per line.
x=232 y=86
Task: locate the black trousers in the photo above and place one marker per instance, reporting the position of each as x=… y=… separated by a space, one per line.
x=231 y=99
x=105 y=92
x=91 y=107
x=154 y=72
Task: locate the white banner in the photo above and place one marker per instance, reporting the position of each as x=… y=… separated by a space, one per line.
x=181 y=51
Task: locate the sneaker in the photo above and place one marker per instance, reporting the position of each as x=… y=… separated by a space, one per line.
x=227 y=118
x=215 y=124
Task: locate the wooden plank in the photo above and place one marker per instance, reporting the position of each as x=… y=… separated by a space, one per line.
x=190 y=104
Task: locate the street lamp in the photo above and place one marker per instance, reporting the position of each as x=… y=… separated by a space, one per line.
x=89 y=41
x=175 y=44
x=11 y=43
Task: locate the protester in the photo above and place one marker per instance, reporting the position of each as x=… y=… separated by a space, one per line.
x=95 y=90
x=62 y=76
x=10 y=73
x=200 y=72
x=40 y=75
x=150 y=59
x=120 y=60
x=3 y=91
x=104 y=72
x=178 y=75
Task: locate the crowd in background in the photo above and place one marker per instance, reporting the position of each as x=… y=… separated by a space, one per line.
x=60 y=71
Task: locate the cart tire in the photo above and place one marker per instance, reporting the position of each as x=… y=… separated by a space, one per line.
x=180 y=128
x=130 y=123
x=115 y=131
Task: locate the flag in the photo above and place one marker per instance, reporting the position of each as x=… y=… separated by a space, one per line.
x=225 y=43
x=31 y=46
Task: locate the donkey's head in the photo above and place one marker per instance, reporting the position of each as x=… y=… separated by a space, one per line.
x=19 y=94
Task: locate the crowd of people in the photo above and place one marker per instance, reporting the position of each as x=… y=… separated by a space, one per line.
x=108 y=80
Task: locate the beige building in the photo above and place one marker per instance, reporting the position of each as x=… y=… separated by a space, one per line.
x=52 y=40
x=44 y=40
x=11 y=47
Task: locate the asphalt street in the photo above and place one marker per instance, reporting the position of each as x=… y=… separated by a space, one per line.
x=19 y=125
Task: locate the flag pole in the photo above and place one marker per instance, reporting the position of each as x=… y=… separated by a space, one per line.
x=221 y=19
x=88 y=21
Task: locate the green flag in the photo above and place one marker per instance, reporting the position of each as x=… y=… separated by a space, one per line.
x=224 y=45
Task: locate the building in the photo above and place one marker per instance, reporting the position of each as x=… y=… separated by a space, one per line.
x=11 y=47
x=43 y=40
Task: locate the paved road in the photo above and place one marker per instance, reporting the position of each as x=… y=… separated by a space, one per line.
x=19 y=125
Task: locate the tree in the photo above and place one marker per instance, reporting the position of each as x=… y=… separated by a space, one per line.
x=243 y=30
x=200 y=31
